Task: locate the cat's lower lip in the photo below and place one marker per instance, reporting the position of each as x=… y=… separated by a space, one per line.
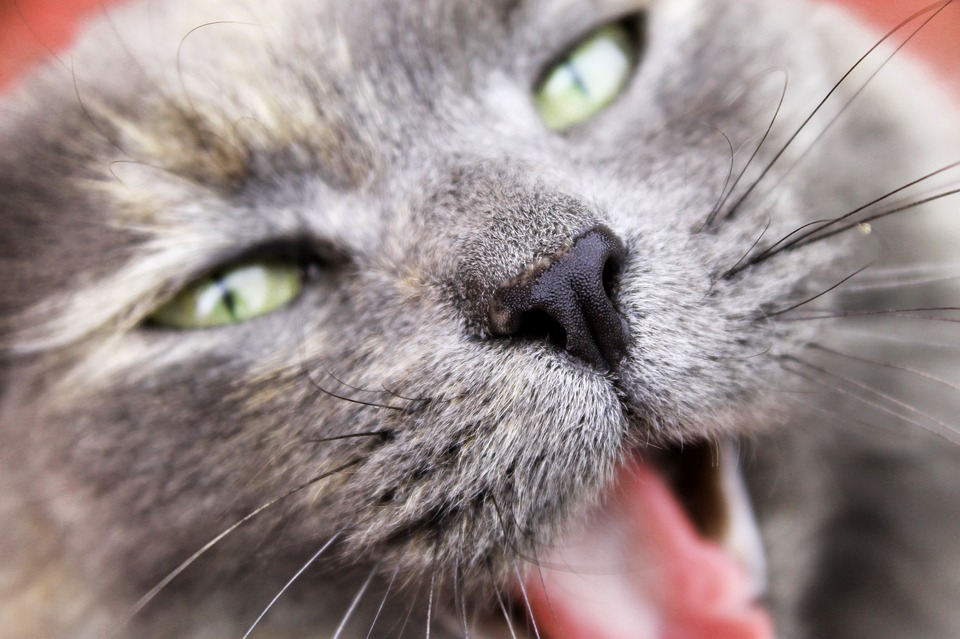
x=674 y=548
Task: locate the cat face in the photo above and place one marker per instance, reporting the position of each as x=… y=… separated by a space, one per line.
x=385 y=170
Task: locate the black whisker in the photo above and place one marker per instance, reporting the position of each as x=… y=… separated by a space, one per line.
x=803 y=234
x=744 y=262
x=820 y=294
x=766 y=134
x=856 y=94
x=776 y=158
x=316 y=384
x=383 y=389
x=750 y=250
x=173 y=574
x=383 y=434
x=535 y=560
x=873 y=217
x=111 y=139
x=420 y=400
x=155 y=86
x=286 y=586
x=179 y=57
x=350 y=386
x=309 y=375
x=50 y=52
x=352 y=400
x=506 y=537
x=726 y=183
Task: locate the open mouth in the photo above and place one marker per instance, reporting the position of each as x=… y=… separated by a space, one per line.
x=673 y=552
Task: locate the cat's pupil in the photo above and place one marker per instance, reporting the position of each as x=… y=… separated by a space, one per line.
x=235 y=294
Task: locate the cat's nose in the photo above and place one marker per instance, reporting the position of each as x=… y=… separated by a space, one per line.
x=566 y=299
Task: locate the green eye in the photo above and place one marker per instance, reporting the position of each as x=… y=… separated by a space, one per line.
x=234 y=295
x=588 y=79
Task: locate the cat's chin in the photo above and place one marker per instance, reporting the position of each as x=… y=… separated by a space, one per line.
x=672 y=550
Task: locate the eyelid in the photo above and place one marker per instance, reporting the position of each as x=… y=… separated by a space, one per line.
x=578 y=26
x=305 y=251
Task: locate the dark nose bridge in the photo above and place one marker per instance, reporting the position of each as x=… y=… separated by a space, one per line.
x=567 y=298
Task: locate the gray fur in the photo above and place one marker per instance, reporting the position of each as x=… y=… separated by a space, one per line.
x=399 y=139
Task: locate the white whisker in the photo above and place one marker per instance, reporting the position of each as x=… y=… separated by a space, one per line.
x=355 y=603
x=892 y=366
x=433 y=581
x=904 y=276
x=145 y=600
x=506 y=614
x=912 y=340
x=526 y=600
x=296 y=576
x=945 y=431
x=383 y=602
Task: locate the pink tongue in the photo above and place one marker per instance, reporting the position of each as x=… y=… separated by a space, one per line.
x=641 y=571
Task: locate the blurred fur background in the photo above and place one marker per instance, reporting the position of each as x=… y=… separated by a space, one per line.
x=31 y=30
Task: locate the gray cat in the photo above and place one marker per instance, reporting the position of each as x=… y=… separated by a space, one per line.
x=446 y=318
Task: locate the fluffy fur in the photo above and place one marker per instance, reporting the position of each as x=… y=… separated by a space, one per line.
x=397 y=142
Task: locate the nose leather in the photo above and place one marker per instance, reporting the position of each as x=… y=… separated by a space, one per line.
x=572 y=289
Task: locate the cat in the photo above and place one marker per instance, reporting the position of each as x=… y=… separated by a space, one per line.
x=493 y=319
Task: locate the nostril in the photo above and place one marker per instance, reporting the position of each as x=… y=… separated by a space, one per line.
x=568 y=300
x=611 y=275
x=538 y=325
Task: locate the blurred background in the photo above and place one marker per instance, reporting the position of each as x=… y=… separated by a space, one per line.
x=31 y=29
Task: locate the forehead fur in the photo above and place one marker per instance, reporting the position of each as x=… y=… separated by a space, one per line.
x=216 y=100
